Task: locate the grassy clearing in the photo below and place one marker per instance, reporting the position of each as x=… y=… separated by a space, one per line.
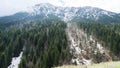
x=100 y=65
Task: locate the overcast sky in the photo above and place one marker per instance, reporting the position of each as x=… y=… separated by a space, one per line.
x=8 y=7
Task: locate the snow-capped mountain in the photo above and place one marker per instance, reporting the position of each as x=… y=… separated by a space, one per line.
x=77 y=13
x=46 y=10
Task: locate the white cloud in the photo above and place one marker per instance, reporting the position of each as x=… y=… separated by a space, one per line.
x=110 y=5
x=12 y=6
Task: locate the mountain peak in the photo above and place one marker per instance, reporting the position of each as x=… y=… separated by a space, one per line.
x=69 y=13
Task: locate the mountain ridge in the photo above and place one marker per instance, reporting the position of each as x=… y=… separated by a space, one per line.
x=87 y=13
x=69 y=13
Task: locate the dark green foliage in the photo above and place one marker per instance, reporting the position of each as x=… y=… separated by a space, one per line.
x=11 y=43
x=43 y=42
x=46 y=45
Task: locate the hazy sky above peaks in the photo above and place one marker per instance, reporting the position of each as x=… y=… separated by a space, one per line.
x=8 y=7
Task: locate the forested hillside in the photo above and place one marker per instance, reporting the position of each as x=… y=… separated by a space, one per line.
x=51 y=36
x=107 y=34
x=43 y=42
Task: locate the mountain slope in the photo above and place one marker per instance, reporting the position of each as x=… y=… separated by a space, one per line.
x=76 y=13
x=41 y=11
x=50 y=36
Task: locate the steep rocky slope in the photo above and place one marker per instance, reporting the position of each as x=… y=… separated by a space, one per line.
x=85 y=49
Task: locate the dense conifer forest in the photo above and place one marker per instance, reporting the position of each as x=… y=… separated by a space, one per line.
x=43 y=42
x=46 y=35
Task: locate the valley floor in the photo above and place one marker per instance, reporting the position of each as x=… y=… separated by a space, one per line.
x=100 y=65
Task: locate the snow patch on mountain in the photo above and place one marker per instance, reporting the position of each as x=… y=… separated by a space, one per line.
x=69 y=13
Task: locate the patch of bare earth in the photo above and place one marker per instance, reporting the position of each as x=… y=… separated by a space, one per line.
x=83 y=48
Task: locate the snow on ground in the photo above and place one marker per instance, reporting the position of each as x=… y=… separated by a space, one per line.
x=87 y=62
x=15 y=61
x=77 y=61
x=77 y=50
x=83 y=47
x=82 y=61
x=100 y=48
x=74 y=37
x=91 y=39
